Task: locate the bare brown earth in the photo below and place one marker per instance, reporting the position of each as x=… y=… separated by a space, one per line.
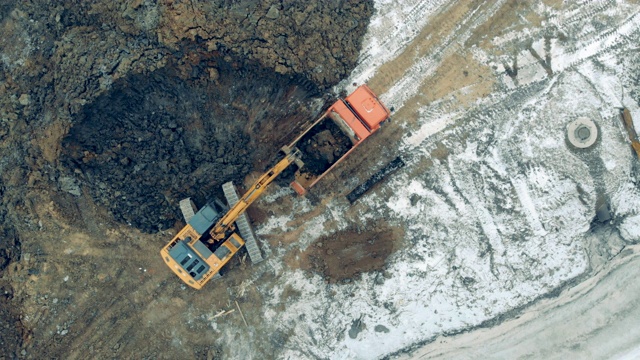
x=348 y=253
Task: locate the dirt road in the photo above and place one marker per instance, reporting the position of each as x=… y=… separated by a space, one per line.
x=596 y=318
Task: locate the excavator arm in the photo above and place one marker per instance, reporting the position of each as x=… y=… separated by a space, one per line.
x=225 y=225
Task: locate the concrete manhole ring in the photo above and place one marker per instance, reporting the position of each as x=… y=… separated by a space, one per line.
x=582 y=133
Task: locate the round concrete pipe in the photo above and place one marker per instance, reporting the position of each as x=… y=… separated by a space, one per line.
x=582 y=133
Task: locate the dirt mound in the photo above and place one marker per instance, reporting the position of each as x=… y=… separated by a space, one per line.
x=350 y=252
x=154 y=139
x=318 y=39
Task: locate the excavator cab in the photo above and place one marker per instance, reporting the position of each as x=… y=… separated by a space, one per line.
x=189 y=254
x=209 y=240
x=204 y=219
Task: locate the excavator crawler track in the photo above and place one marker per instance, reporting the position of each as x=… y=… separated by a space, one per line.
x=243 y=224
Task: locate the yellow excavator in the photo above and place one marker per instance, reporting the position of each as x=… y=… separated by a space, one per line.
x=209 y=240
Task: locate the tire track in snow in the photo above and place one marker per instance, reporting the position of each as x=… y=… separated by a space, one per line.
x=384 y=45
x=405 y=88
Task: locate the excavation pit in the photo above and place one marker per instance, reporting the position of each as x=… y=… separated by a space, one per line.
x=155 y=139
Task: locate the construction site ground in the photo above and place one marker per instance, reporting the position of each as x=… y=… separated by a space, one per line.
x=485 y=244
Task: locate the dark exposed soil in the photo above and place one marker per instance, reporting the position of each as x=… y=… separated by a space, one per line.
x=321 y=147
x=155 y=139
x=318 y=39
x=9 y=245
x=350 y=252
x=5 y=8
x=11 y=329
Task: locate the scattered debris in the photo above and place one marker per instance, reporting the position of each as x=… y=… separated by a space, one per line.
x=362 y=189
x=241 y=314
x=222 y=313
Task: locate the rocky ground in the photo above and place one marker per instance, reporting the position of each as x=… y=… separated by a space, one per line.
x=128 y=106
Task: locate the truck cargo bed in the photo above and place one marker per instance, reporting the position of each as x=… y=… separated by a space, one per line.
x=322 y=146
x=337 y=133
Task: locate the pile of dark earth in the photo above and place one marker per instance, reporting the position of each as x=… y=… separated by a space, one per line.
x=344 y=255
x=323 y=146
x=155 y=139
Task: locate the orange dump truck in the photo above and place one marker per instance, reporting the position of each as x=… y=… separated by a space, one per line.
x=346 y=124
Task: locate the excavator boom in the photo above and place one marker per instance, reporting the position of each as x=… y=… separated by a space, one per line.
x=219 y=231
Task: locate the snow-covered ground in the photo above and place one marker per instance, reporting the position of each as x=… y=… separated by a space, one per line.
x=507 y=215
x=595 y=319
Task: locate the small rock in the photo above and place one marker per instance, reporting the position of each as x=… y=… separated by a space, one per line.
x=23 y=352
x=379 y=280
x=69 y=185
x=281 y=69
x=213 y=73
x=381 y=328
x=273 y=12
x=356 y=327
x=468 y=281
x=163 y=166
x=25 y=99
